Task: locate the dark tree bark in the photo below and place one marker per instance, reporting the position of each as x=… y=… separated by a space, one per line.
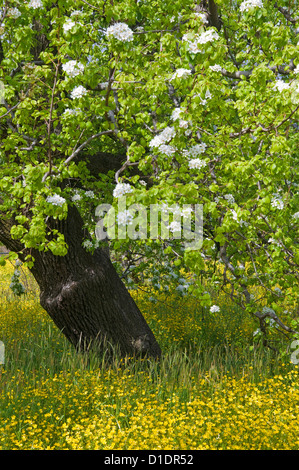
x=84 y=295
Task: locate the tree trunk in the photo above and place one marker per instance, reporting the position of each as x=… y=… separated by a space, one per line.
x=84 y=295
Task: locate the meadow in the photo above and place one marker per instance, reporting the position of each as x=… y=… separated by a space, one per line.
x=213 y=389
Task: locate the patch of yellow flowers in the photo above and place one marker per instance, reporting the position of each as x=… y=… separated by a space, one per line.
x=111 y=411
x=123 y=408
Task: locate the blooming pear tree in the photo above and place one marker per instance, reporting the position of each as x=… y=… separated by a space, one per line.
x=164 y=102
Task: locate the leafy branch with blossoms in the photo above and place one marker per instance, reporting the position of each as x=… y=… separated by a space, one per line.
x=199 y=99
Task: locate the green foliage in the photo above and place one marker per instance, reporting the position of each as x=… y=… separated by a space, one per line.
x=234 y=92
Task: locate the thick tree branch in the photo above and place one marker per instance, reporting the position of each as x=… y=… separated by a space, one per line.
x=213 y=15
x=286 y=14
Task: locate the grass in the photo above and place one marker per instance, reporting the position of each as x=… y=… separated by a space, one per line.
x=211 y=390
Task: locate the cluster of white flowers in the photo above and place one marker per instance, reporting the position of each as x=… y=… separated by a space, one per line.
x=14 y=12
x=120 y=31
x=68 y=25
x=166 y=135
x=202 y=17
x=121 y=189
x=124 y=218
x=184 y=124
x=214 y=309
x=167 y=149
x=274 y=242
x=176 y=114
x=277 y=202
x=234 y=215
x=230 y=198
x=197 y=164
x=207 y=97
x=181 y=73
x=195 y=150
x=296 y=215
x=35 y=4
x=56 y=200
x=174 y=226
x=89 y=194
x=71 y=112
x=73 y=68
x=78 y=92
x=280 y=85
x=296 y=69
x=87 y=244
x=216 y=68
x=209 y=35
x=76 y=197
x=186 y=212
x=249 y=4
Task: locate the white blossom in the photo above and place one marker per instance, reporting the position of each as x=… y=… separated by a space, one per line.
x=14 y=12
x=73 y=68
x=196 y=150
x=35 y=4
x=76 y=197
x=183 y=124
x=68 y=25
x=296 y=69
x=202 y=17
x=70 y=111
x=89 y=194
x=197 y=164
x=87 y=244
x=124 y=218
x=120 y=31
x=78 y=92
x=277 y=202
x=166 y=135
x=121 y=189
x=209 y=35
x=181 y=73
x=214 y=309
x=76 y=13
x=249 y=4
x=56 y=200
x=230 y=198
x=175 y=226
x=296 y=215
x=187 y=211
x=216 y=68
x=167 y=149
x=176 y=114
x=280 y=85
x=235 y=215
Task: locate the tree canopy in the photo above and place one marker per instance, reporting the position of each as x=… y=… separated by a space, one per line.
x=162 y=101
